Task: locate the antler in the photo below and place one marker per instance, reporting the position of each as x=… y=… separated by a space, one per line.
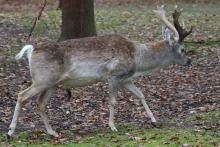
x=161 y=14
x=182 y=32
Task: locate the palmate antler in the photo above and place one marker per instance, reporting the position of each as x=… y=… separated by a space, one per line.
x=181 y=31
x=161 y=14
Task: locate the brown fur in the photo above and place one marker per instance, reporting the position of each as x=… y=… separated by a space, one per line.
x=158 y=46
x=108 y=45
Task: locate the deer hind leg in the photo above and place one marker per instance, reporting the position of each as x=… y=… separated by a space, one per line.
x=132 y=88
x=113 y=88
x=22 y=97
x=42 y=102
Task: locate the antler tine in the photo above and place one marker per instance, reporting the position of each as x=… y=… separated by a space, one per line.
x=182 y=32
x=160 y=12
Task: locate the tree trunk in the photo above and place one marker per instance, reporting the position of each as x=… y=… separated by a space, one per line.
x=77 y=19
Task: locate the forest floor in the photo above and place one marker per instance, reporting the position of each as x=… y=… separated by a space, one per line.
x=186 y=100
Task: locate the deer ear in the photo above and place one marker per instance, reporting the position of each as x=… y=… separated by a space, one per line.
x=168 y=36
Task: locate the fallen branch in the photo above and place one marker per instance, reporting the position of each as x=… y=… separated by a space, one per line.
x=36 y=19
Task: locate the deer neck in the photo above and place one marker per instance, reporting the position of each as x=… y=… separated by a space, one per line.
x=152 y=56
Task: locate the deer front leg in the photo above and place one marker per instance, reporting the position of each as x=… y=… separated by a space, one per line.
x=132 y=88
x=111 y=115
x=42 y=102
x=113 y=88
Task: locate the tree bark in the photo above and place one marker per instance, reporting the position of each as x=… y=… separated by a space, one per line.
x=77 y=19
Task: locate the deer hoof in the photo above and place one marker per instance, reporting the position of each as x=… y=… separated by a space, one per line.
x=54 y=134
x=10 y=132
x=113 y=128
x=156 y=124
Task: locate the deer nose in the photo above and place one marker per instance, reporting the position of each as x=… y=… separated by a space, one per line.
x=189 y=61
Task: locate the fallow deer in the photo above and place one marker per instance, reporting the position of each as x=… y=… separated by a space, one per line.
x=110 y=58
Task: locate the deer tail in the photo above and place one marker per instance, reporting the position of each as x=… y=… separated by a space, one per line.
x=27 y=51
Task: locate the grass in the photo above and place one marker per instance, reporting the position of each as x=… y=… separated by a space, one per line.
x=130 y=135
x=201 y=47
x=151 y=138
x=133 y=137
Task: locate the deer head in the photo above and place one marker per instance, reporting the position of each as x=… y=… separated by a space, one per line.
x=174 y=35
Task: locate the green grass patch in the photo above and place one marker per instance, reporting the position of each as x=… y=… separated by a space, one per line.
x=213 y=116
x=48 y=26
x=201 y=47
x=135 y=136
x=130 y=135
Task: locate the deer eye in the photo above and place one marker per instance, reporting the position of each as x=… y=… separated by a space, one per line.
x=182 y=50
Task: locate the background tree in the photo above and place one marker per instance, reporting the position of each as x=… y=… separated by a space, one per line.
x=77 y=19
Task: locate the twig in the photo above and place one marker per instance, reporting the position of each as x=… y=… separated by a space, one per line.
x=36 y=19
